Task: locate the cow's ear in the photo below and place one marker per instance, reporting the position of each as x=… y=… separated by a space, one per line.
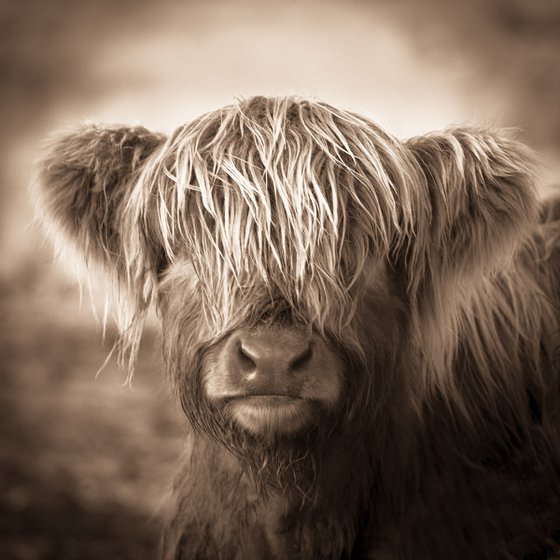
x=479 y=205
x=85 y=196
x=482 y=201
x=83 y=185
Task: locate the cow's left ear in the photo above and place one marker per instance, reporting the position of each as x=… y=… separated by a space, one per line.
x=84 y=182
x=481 y=198
x=475 y=206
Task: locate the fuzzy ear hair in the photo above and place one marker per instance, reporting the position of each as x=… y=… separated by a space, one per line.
x=83 y=184
x=83 y=190
x=475 y=205
x=482 y=201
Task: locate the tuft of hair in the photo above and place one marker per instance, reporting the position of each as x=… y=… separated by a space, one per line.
x=267 y=193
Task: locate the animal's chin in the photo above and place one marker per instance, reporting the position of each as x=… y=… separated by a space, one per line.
x=271 y=415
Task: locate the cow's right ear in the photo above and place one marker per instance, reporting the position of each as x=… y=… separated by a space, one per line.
x=83 y=185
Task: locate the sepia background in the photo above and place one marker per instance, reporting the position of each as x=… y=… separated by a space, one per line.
x=85 y=462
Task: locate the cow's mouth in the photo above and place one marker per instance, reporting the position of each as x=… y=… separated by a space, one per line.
x=270 y=414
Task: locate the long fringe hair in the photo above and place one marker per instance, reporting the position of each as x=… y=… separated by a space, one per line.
x=268 y=192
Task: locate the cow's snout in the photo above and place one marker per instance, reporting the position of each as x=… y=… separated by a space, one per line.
x=273 y=378
x=270 y=360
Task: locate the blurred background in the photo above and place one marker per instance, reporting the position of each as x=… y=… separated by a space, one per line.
x=85 y=462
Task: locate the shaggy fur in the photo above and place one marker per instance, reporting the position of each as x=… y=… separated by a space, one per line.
x=425 y=266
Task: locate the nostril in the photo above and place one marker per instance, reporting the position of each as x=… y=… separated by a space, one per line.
x=245 y=358
x=301 y=360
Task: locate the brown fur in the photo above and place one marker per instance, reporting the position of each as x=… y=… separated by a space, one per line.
x=423 y=266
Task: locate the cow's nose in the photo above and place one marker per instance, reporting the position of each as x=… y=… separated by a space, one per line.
x=271 y=355
x=274 y=362
x=270 y=361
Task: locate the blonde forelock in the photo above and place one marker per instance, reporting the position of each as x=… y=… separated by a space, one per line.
x=285 y=193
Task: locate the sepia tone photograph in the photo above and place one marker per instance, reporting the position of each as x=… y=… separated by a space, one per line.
x=280 y=280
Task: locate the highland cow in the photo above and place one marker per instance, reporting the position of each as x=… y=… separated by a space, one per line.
x=363 y=333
